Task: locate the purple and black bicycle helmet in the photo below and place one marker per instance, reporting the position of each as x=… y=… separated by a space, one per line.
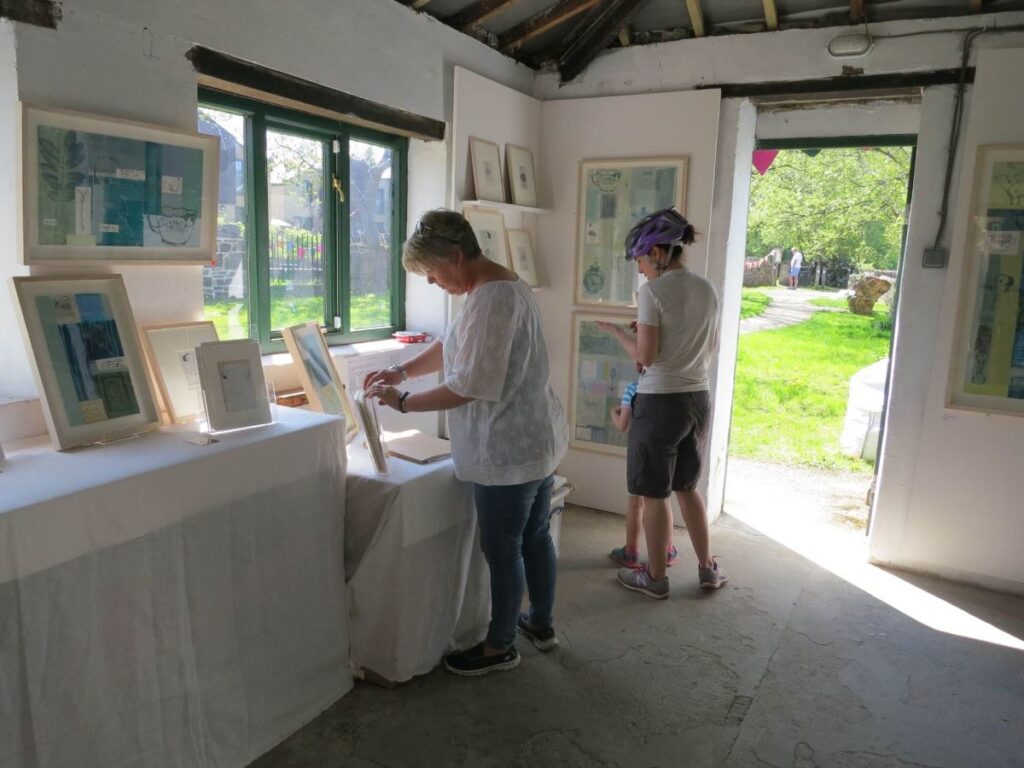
x=659 y=228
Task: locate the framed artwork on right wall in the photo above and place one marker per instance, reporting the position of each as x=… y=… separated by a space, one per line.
x=988 y=361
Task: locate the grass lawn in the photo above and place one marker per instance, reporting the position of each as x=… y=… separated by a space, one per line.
x=232 y=317
x=753 y=303
x=792 y=385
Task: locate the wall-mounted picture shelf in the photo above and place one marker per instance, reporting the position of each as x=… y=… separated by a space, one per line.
x=506 y=207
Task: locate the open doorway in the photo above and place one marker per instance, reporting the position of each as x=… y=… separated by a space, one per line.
x=825 y=240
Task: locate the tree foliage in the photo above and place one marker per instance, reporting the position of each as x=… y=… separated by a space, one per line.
x=843 y=207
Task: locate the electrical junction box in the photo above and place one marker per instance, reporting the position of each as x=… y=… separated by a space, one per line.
x=934 y=258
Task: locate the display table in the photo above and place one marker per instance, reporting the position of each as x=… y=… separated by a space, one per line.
x=418 y=584
x=165 y=603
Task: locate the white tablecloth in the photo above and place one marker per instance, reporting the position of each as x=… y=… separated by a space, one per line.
x=418 y=584
x=164 y=603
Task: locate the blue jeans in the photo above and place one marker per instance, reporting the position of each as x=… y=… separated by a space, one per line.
x=516 y=541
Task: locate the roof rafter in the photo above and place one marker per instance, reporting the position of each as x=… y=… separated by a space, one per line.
x=856 y=11
x=771 y=15
x=540 y=23
x=974 y=6
x=607 y=21
x=478 y=13
x=696 y=17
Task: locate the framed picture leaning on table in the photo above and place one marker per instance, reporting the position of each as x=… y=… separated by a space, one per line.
x=86 y=357
x=318 y=375
x=171 y=353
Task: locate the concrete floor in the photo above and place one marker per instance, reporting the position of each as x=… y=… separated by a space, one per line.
x=788 y=665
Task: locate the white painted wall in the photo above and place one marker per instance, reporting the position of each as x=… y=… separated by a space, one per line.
x=622 y=126
x=957 y=510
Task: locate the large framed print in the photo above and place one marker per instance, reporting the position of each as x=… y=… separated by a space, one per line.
x=988 y=367
x=86 y=357
x=171 y=353
x=318 y=375
x=101 y=190
x=601 y=370
x=489 y=227
x=613 y=196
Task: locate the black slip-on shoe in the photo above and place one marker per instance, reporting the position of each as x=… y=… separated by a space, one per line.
x=544 y=639
x=473 y=662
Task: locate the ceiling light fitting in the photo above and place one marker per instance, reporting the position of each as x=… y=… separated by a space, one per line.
x=846 y=46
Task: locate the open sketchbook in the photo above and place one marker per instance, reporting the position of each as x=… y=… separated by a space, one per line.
x=366 y=413
x=418 y=447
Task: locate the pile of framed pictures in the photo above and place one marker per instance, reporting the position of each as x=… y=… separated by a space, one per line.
x=488 y=184
x=511 y=248
x=366 y=412
x=613 y=196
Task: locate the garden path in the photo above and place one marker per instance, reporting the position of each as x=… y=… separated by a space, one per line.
x=787 y=308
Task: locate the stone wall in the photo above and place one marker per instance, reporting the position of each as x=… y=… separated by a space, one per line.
x=226 y=279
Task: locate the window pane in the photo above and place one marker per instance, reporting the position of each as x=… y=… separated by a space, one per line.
x=370 y=221
x=295 y=174
x=226 y=282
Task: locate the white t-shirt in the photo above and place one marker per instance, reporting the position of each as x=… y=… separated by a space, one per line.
x=515 y=430
x=684 y=307
x=797 y=261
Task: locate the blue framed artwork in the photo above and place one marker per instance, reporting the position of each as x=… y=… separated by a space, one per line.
x=86 y=357
x=97 y=189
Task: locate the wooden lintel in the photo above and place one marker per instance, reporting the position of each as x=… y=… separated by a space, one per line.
x=771 y=15
x=856 y=11
x=974 y=6
x=696 y=17
x=625 y=37
x=540 y=23
x=478 y=13
x=41 y=13
x=607 y=21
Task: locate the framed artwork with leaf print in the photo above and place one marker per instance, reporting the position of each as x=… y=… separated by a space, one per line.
x=102 y=190
x=613 y=196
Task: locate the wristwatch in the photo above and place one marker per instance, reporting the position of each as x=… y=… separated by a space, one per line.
x=401 y=401
x=399 y=369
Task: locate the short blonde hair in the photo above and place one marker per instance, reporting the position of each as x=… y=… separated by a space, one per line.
x=438 y=236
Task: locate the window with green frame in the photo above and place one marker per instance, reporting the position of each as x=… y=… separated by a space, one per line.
x=310 y=223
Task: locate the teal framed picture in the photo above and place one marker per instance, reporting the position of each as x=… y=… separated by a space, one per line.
x=101 y=190
x=86 y=357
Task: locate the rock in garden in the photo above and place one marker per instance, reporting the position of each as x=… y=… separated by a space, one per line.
x=866 y=292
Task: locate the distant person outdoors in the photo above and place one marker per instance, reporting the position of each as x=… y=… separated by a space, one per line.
x=676 y=334
x=507 y=427
x=629 y=554
x=795 y=263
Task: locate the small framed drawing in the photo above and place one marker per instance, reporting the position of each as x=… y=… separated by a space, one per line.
x=613 y=196
x=486 y=162
x=988 y=367
x=317 y=374
x=520 y=250
x=98 y=189
x=86 y=357
x=601 y=370
x=522 y=179
x=234 y=389
x=489 y=227
x=171 y=353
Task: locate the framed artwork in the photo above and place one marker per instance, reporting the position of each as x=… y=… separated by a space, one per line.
x=600 y=372
x=486 y=162
x=613 y=196
x=86 y=358
x=520 y=249
x=489 y=227
x=522 y=179
x=317 y=374
x=98 y=189
x=988 y=367
x=234 y=389
x=171 y=353
x=368 y=422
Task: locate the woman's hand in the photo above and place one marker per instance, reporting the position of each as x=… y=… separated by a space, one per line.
x=388 y=376
x=384 y=394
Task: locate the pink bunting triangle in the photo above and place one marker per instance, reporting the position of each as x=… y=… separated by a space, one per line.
x=763 y=159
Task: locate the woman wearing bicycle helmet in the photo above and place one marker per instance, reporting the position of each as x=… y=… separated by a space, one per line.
x=676 y=334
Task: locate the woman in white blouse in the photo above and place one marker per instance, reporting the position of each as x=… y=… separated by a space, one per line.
x=507 y=428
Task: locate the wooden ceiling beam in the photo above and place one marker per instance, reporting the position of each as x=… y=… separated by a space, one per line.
x=974 y=6
x=696 y=17
x=605 y=26
x=540 y=23
x=856 y=11
x=478 y=13
x=771 y=15
x=625 y=36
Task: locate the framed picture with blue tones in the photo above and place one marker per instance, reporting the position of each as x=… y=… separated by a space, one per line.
x=613 y=196
x=86 y=357
x=988 y=365
x=101 y=190
x=318 y=375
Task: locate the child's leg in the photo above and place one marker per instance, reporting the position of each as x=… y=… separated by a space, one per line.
x=634 y=522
